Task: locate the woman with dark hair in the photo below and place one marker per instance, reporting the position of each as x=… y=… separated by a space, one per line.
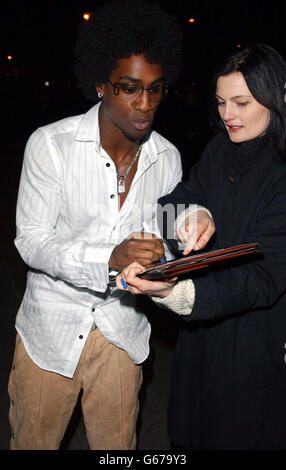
x=263 y=70
x=228 y=384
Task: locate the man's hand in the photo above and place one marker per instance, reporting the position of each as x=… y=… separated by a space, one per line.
x=196 y=231
x=142 y=247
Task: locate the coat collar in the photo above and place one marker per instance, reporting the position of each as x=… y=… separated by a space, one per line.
x=246 y=154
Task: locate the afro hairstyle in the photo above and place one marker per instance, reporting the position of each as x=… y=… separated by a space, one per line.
x=122 y=28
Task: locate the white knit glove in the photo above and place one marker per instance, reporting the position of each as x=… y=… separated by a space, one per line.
x=181 y=299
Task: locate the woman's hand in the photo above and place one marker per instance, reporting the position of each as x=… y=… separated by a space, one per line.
x=128 y=277
x=196 y=230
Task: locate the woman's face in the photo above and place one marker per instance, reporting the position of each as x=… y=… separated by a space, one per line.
x=244 y=118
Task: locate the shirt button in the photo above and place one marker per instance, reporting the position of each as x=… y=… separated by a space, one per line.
x=231 y=179
x=112 y=196
x=107 y=164
x=80 y=336
x=93 y=309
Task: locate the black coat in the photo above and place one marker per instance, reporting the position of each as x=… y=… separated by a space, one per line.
x=228 y=388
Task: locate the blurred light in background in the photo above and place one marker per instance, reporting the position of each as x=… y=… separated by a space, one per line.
x=86 y=16
x=191 y=20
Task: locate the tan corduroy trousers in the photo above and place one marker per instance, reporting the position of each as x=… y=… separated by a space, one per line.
x=42 y=402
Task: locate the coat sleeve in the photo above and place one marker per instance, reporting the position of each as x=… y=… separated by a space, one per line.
x=251 y=284
x=184 y=195
x=246 y=284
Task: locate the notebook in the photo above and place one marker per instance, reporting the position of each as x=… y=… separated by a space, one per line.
x=186 y=264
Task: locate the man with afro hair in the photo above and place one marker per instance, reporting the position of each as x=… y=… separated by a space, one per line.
x=89 y=185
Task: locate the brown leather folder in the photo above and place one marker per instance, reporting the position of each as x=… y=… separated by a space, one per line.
x=181 y=266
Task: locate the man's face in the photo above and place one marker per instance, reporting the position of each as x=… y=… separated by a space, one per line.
x=132 y=114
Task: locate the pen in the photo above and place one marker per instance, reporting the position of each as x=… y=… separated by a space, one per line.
x=147 y=229
x=124 y=283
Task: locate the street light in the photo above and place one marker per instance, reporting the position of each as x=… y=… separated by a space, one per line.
x=86 y=16
x=191 y=20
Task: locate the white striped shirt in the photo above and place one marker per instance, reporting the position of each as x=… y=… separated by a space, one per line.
x=68 y=223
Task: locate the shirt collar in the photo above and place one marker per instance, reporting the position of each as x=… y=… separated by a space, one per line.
x=89 y=128
x=154 y=145
x=89 y=132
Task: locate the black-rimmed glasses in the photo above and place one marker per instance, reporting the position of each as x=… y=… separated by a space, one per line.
x=128 y=91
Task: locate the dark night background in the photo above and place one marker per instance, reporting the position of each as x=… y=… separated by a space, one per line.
x=39 y=37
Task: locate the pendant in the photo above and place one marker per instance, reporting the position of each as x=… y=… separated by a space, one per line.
x=121 y=186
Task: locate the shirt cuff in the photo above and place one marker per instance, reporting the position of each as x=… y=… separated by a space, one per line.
x=180 y=300
x=96 y=265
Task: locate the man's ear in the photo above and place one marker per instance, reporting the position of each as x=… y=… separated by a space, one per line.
x=100 y=90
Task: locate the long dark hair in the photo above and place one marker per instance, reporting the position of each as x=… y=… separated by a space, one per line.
x=264 y=71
